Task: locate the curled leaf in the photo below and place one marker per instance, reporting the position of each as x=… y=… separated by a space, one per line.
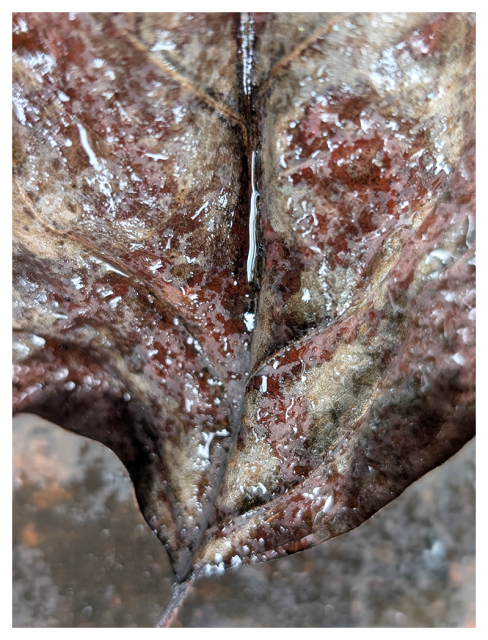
x=244 y=261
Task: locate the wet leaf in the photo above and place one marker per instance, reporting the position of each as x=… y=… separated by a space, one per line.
x=244 y=261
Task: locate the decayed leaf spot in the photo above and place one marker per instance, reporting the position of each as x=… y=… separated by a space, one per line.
x=272 y=370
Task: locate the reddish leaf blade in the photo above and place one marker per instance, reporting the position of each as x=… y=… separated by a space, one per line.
x=133 y=139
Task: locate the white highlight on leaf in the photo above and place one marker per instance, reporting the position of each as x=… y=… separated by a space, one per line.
x=77 y=282
x=157 y=156
x=204 y=450
x=19 y=106
x=327 y=505
x=204 y=206
x=249 y=321
x=459 y=359
x=289 y=408
x=115 y=301
x=247 y=35
x=88 y=150
x=154 y=267
x=441 y=254
x=251 y=258
x=108 y=267
x=164 y=42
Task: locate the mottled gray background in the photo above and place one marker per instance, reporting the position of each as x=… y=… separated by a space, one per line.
x=84 y=557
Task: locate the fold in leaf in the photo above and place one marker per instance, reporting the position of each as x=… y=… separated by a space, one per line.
x=255 y=418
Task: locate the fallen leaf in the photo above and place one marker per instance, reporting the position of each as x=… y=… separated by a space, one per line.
x=244 y=261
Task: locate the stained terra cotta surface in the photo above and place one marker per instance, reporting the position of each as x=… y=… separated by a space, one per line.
x=84 y=557
x=260 y=404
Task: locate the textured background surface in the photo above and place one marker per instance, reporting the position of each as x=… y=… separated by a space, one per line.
x=84 y=557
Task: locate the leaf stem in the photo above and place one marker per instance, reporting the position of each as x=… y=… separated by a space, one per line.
x=172 y=609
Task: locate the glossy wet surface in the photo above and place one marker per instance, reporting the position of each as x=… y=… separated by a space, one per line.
x=162 y=308
x=84 y=557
